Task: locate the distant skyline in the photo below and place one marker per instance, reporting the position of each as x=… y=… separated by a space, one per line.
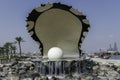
x=103 y=15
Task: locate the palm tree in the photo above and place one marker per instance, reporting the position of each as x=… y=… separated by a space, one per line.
x=2 y=51
x=13 y=49
x=7 y=46
x=19 y=40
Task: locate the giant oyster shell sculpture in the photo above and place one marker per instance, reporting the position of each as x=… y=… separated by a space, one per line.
x=57 y=25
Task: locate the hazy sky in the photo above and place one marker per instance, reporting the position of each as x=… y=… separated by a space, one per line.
x=104 y=17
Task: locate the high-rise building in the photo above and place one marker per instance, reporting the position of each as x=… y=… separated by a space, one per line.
x=115 y=47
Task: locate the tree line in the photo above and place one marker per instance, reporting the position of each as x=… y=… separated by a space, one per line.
x=9 y=48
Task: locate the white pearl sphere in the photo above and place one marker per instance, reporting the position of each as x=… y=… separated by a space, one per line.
x=55 y=53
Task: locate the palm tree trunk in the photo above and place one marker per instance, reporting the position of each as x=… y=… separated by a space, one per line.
x=20 y=49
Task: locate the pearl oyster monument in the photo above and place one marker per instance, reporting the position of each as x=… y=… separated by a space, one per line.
x=58 y=29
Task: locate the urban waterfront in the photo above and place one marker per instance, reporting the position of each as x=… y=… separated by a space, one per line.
x=44 y=40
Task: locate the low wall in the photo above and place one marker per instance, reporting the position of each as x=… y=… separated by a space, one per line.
x=92 y=69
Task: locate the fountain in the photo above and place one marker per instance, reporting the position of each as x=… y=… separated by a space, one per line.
x=58 y=29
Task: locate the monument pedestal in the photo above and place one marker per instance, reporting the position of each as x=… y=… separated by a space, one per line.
x=59 y=67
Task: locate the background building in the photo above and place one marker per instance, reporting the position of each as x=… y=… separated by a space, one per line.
x=113 y=49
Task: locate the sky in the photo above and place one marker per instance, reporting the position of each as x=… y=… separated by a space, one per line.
x=103 y=15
